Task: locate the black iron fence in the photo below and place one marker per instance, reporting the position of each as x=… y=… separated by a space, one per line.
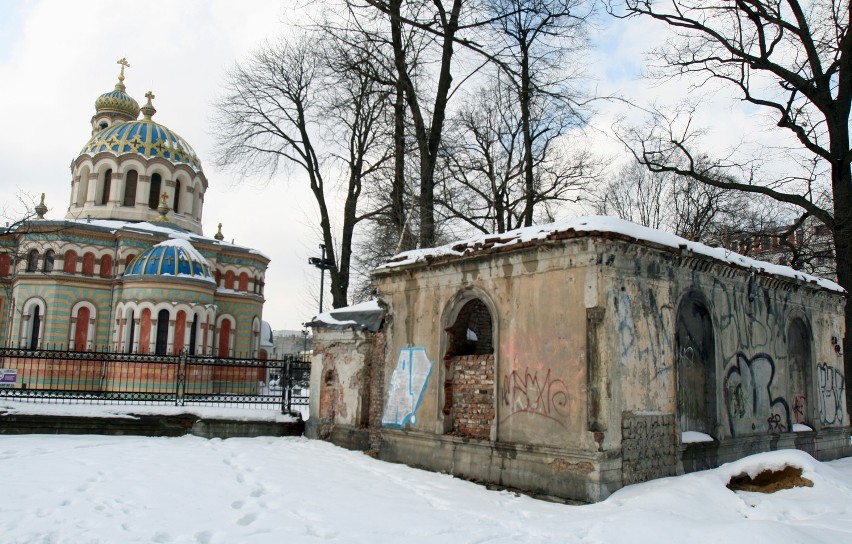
x=62 y=376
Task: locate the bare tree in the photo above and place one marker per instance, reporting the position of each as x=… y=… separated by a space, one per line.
x=678 y=204
x=296 y=103
x=792 y=59
x=534 y=37
x=484 y=163
x=636 y=194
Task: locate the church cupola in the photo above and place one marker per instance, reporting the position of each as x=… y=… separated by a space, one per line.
x=127 y=169
x=115 y=105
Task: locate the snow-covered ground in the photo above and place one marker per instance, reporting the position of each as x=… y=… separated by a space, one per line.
x=86 y=489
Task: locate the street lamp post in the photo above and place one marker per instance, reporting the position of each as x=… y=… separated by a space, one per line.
x=323 y=264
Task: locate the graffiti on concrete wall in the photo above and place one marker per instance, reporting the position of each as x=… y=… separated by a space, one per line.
x=536 y=392
x=831 y=386
x=651 y=325
x=749 y=399
x=406 y=387
x=800 y=403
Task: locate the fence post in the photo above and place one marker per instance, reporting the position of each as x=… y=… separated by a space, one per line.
x=180 y=379
x=285 y=390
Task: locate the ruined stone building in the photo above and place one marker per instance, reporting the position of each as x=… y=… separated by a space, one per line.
x=575 y=358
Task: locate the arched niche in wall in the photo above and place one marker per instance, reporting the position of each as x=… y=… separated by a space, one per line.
x=695 y=363
x=469 y=369
x=800 y=363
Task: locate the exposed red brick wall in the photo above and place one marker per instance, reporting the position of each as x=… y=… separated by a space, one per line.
x=473 y=395
x=375 y=365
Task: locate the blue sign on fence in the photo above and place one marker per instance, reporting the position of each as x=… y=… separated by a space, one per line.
x=8 y=378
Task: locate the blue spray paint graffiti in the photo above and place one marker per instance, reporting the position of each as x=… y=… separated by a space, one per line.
x=406 y=387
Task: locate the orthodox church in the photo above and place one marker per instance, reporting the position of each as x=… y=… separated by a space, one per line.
x=128 y=269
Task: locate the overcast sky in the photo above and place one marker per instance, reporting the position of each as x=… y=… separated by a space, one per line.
x=57 y=56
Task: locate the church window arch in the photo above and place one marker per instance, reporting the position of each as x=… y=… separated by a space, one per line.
x=243 y=282
x=106 y=266
x=130 y=330
x=69 y=262
x=161 y=341
x=5 y=264
x=49 y=258
x=229 y=279
x=145 y=331
x=193 y=335
x=32 y=323
x=180 y=332
x=176 y=197
x=106 y=185
x=131 y=179
x=82 y=333
x=88 y=264
x=83 y=186
x=154 y=191
x=32 y=260
x=225 y=331
x=218 y=276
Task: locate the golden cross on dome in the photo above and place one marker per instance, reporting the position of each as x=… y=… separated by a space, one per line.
x=124 y=64
x=150 y=96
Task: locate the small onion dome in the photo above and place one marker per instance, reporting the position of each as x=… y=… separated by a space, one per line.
x=146 y=138
x=117 y=100
x=175 y=258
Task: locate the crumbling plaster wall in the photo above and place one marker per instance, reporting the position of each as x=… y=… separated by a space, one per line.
x=340 y=374
x=751 y=315
x=537 y=299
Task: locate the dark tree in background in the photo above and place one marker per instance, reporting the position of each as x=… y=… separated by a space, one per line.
x=791 y=59
x=295 y=103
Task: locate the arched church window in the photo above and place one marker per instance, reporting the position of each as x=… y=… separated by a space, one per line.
x=106 y=266
x=32 y=260
x=229 y=279
x=193 y=335
x=31 y=324
x=145 y=332
x=35 y=327
x=224 y=338
x=105 y=188
x=154 y=192
x=69 y=263
x=180 y=332
x=81 y=329
x=130 y=188
x=243 y=282
x=131 y=331
x=162 y=340
x=5 y=264
x=89 y=264
x=48 y=260
x=176 y=201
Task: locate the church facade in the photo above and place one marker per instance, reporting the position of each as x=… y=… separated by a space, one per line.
x=128 y=268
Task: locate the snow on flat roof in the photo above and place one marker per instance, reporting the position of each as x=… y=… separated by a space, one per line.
x=598 y=224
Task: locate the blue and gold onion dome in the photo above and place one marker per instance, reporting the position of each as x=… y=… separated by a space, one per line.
x=117 y=101
x=173 y=258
